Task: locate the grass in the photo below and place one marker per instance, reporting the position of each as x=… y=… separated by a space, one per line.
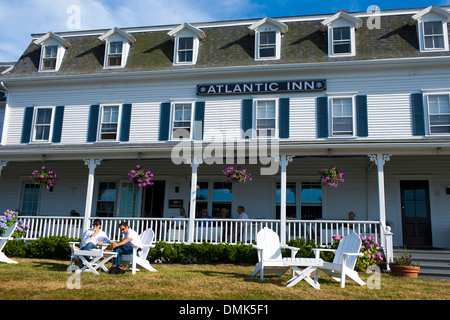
x=39 y=279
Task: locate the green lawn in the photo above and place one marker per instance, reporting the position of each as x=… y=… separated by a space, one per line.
x=33 y=279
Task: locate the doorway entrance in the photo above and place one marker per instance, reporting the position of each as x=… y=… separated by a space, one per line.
x=153 y=202
x=416 y=220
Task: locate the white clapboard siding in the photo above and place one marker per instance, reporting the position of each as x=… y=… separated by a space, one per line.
x=75 y=124
x=144 y=122
x=222 y=120
x=302 y=115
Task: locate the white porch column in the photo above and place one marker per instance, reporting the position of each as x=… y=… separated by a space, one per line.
x=380 y=159
x=3 y=164
x=92 y=163
x=283 y=160
x=194 y=162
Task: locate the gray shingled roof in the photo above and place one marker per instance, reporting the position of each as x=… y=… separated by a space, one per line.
x=231 y=46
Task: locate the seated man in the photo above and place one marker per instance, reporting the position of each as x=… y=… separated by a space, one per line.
x=92 y=238
x=125 y=247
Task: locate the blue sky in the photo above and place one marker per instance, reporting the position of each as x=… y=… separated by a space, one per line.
x=20 y=18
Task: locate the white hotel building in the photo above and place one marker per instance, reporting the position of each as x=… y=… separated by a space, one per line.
x=367 y=93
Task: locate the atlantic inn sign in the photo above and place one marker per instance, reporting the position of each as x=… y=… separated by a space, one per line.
x=262 y=87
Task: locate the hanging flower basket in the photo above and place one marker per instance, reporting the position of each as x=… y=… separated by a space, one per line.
x=142 y=176
x=331 y=176
x=44 y=177
x=237 y=174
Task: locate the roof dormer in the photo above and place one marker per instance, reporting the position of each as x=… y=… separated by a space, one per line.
x=186 y=43
x=117 y=47
x=341 y=34
x=53 y=48
x=432 y=29
x=268 y=33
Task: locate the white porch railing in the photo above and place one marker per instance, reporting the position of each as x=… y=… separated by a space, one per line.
x=176 y=230
x=212 y=230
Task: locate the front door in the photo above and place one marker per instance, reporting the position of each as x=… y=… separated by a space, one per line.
x=153 y=204
x=416 y=221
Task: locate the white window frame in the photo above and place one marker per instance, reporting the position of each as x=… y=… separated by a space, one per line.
x=119 y=117
x=331 y=98
x=341 y=24
x=173 y=104
x=256 y=101
x=124 y=55
x=58 y=59
x=277 y=44
x=110 y=55
x=50 y=134
x=428 y=114
x=195 y=47
x=421 y=32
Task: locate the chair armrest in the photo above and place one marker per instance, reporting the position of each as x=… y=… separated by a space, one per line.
x=256 y=247
x=353 y=254
x=318 y=250
x=6 y=238
x=294 y=250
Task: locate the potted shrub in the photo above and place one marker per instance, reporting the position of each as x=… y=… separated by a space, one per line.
x=142 y=176
x=237 y=174
x=404 y=267
x=44 y=177
x=331 y=176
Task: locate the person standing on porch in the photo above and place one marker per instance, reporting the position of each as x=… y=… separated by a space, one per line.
x=125 y=247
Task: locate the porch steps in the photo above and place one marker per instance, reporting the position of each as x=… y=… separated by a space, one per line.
x=434 y=263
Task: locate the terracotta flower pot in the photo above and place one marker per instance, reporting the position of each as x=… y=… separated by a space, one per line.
x=404 y=271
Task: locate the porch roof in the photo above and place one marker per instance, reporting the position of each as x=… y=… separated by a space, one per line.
x=164 y=149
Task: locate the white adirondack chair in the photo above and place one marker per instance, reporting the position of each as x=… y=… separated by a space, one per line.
x=147 y=238
x=344 y=260
x=3 y=239
x=269 y=248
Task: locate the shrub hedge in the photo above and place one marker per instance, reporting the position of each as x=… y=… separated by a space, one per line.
x=55 y=247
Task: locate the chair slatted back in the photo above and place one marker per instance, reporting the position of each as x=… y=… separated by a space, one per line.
x=270 y=241
x=7 y=234
x=350 y=244
x=147 y=238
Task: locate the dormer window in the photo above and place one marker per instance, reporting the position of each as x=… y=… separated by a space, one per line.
x=341 y=29
x=432 y=28
x=186 y=43
x=115 y=54
x=185 y=52
x=117 y=47
x=268 y=33
x=50 y=57
x=53 y=48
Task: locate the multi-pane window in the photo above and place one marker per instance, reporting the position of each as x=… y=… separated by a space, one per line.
x=439 y=114
x=42 y=124
x=291 y=200
x=185 y=50
x=267 y=44
x=106 y=200
x=109 y=123
x=181 y=121
x=311 y=196
x=342 y=116
x=265 y=118
x=341 y=40
x=222 y=198
x=115 y=54
x=49 y=58
x=433 y=35
x=30 y=199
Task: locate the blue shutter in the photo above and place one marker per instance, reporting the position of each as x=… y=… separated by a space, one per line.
x=418 y=116
x=164 y=121
x=27 y=123
x=322 y=117
x=247 y=117
x=199 y=119
x=283 y=118
x=58 y=124
x=125 y=123
x=362 y=127
x=93 y=123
